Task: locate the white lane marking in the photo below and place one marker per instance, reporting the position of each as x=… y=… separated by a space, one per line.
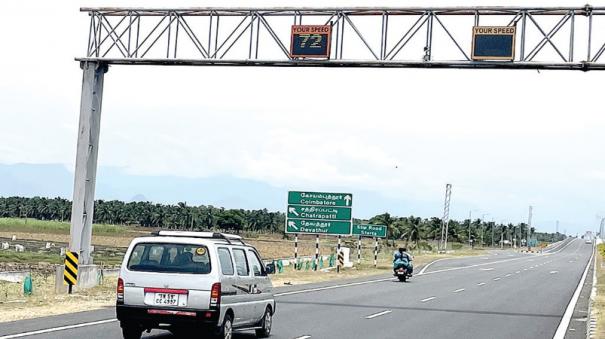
x=564 y=324
x=330 y=287
x=55 y=329
x=303 y=337
x=427 y=299
x=388 y=279
x=554 y=272
x=525 y=269
x=471 y=266
x=481 y=284
x=496 y=279
x=517 y=272
x=429 y=264
x=486 y=269
x=371 y=316
x=508 y=275
x=459 y=290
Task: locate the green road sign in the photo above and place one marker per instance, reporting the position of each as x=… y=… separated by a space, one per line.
x=318 y=227
x=377 y=231
x=319 y=212
x=320 y=199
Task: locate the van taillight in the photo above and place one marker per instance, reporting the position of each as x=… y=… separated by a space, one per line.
x=120 y=291
x=215 y=295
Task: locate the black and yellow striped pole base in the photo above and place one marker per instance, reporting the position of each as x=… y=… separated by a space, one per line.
x=70 y=273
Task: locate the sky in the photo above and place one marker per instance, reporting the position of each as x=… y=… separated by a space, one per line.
x=504 y=139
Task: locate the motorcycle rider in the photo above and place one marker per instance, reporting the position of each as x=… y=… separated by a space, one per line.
x=402 y=258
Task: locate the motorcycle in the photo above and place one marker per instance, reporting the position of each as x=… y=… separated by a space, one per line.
x=402 y=272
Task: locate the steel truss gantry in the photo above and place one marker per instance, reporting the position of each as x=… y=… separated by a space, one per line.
x=547 y=38
x=570 y=38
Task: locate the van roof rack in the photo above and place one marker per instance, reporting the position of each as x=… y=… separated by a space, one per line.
x=207 y=235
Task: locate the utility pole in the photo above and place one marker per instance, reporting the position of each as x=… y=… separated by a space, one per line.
x=493 y=226
x=85 y=174
x=446 y=217
x=601 y=229
x=483 y=227
x=470 y=222
x=528 y=233
x=557 y=226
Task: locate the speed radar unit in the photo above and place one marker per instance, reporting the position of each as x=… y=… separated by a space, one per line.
x=310 y=41
x=494 y=43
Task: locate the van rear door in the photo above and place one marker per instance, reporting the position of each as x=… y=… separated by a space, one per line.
x=168 y=275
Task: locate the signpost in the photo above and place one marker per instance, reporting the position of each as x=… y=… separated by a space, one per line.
x=374 y=231
x=319 y=213
x=494 y=43
x=310 y=41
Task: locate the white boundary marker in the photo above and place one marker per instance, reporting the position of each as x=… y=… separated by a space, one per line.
x=62 y=328
x=564 y=324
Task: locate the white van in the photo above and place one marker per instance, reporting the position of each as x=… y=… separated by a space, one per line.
x=194 y=282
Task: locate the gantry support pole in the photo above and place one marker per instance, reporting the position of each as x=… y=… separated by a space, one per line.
x=85 y=175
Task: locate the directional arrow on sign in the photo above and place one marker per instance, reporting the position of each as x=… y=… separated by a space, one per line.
x=292 y=224
x=293 y=211
x=348 y=200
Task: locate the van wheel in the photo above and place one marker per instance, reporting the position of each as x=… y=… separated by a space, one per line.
x=226 y=330
x=265 y=324
x=130 y=331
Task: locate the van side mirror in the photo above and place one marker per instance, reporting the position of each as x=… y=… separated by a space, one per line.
x=270 y=268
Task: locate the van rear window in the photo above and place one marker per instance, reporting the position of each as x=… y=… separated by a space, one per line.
x=170 y=258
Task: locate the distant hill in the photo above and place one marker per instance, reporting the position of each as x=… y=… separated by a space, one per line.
x=52 y=180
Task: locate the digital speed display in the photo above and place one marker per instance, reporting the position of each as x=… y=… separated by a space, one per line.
x=310 y=41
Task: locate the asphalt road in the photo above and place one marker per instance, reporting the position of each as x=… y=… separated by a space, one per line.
x=500 y=295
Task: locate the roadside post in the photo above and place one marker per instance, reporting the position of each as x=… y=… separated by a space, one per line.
x=316 y=251
x=70 y=272
x=341 y=257
x=374 y=231
x=375 y=251
x=359 y=250
x=295 y=246
x=319 y=213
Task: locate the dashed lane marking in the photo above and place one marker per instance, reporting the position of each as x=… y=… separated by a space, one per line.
x=486 y=269
x=459 y=290
x=508 y=275
x=554 y=272
x=517 y=272
x=371 y=316
x=303 y=337
x=427 y=299
x=481 y=284
x=496 y=279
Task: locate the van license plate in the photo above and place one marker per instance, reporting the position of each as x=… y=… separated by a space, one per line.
x=166 y=299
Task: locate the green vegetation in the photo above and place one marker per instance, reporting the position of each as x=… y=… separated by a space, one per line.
x=29 y=257
x=52 y=226
x=414 y=231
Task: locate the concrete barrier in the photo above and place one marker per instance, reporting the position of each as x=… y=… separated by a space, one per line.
x=14 y=276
